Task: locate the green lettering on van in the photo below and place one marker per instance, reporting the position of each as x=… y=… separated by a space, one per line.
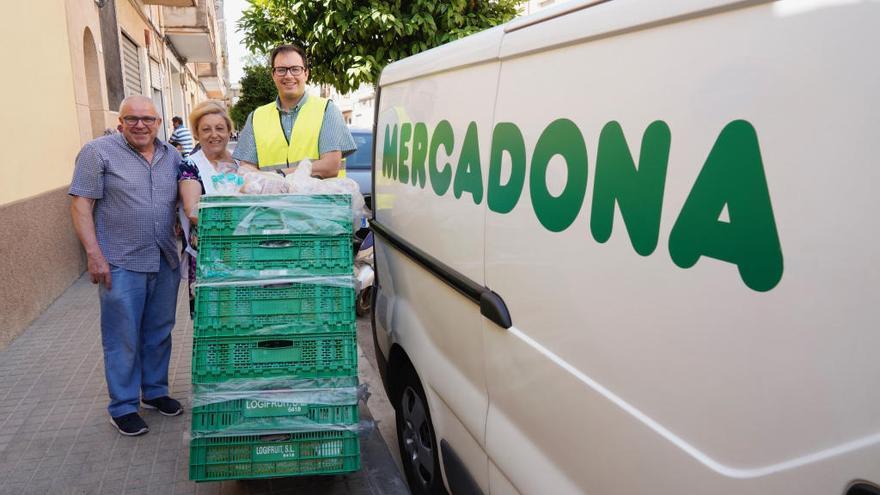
x=637 y=191
x=732 y=176
x=389 y=153
x=501 y=198
x=469 y=175
x=440 y=179
x=419 y=154
x=403 y=152
x=561 y=137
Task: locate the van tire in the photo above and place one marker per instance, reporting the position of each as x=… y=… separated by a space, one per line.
x=419 y=449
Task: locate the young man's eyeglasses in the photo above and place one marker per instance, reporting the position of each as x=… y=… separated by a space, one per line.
x=295 y=70
x=133 y=120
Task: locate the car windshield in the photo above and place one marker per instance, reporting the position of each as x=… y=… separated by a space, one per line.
x=363 y=157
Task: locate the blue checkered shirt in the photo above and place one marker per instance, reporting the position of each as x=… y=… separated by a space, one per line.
x=334 y=135
x=135 y=207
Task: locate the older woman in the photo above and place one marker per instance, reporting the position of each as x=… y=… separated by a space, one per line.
x=212 y=128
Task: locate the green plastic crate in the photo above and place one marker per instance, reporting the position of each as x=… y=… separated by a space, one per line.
x=318 y=355
x=293 y=454
x=242 y=415
x=253 y=307
x=254 y=257
x=275 y=214
x=255 y=326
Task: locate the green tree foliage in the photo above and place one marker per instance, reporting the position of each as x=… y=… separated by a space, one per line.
x=257 y=89
x=350 y=41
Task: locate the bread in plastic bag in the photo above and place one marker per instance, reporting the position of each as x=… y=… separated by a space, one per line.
x=302 y=182
x=265 y=183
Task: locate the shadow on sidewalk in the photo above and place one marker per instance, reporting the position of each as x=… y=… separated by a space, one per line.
x=55 y=435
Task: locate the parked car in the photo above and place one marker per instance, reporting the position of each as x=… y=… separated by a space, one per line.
x=359 y=165
x=626 y=248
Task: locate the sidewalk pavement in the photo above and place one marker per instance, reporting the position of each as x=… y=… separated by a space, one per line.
x=55 y=435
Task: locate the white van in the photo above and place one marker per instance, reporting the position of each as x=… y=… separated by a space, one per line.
x=631 y=247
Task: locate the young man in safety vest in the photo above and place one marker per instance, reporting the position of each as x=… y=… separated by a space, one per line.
x=296 y=125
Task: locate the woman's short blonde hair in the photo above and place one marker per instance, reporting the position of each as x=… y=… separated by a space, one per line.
x=207 y=108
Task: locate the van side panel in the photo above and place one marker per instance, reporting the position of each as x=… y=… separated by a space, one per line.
x=632 y=368
x=423 y=126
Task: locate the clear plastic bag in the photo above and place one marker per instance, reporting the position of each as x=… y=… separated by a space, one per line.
x=265 y=183
x=302 y=182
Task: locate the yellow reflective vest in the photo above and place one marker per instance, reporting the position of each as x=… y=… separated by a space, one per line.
x=272 y=145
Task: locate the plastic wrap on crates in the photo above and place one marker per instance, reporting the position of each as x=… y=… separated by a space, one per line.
x=296 y=391
x=275 y=279
x=275 y=214
x=287 y=256
x=220 y=274
x=282 y=426
x=234 y=386
x=250 y=408
x=276 y=412
x=301 y=181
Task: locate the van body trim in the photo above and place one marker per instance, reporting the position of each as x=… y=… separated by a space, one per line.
x=492 y=306
x=558 y=10
x=460 y=480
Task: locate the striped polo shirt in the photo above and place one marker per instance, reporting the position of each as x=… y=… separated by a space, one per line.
x=184 y=137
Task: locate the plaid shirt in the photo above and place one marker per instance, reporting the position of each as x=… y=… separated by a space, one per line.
x=135 y=207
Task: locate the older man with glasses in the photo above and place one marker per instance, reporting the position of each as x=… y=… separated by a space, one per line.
x=124 y=193
x=296 y=125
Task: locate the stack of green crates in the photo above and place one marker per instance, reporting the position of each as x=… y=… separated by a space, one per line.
x=274 y=338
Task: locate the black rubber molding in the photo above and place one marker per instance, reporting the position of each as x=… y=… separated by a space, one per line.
x=491 y=304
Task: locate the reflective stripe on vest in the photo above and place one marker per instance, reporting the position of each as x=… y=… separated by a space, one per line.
x=272 y=145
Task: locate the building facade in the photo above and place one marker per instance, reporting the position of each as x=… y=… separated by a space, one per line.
x=68 y=66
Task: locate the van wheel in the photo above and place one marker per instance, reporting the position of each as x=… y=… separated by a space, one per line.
x=416 y=439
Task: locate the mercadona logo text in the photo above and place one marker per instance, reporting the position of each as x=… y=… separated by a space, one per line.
x=732 y=176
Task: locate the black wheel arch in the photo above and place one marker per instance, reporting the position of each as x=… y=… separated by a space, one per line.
x=398 y=364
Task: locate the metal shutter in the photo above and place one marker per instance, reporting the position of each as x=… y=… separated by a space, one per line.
x=155 y=75
x=131 y=67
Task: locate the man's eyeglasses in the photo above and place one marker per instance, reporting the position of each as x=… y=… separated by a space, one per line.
x=295 y=70
x=133 y=120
